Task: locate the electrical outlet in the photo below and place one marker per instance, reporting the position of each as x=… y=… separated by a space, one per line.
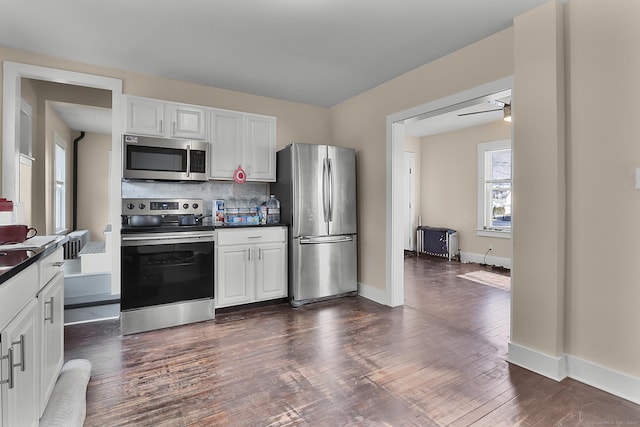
x=490 y=247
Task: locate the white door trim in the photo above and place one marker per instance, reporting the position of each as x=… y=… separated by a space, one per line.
x=394 y=282
x=11 y=94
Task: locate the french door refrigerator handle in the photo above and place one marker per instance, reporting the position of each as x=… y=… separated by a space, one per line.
x=326 y=190
x=330 y=180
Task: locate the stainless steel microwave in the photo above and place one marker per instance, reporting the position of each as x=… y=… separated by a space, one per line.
x=165 y=159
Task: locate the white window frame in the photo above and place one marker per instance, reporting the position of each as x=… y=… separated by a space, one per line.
x=483 y=148
x=60 y=187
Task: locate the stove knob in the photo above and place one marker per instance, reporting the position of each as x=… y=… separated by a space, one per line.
x=195 y=206
x=142 y=206
x=130 y=206
x=185 y=206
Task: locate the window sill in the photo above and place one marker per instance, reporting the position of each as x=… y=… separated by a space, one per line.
x=494 y=233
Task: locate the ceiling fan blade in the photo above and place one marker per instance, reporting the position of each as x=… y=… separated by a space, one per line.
x=479 y=112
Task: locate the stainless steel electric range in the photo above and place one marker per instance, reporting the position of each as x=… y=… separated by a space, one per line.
x=167 y=271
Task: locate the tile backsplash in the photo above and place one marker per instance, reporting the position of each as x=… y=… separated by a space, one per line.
x=207 y=191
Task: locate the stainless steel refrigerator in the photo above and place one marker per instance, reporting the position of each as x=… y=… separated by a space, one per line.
x=316 y=186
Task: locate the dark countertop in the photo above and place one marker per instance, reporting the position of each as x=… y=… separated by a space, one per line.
x=230 y=226
x=13 y=262
x=126 y=229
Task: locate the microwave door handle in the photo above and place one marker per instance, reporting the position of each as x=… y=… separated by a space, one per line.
x=188 y=160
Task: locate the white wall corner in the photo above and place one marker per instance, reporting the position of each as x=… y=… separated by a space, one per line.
x=614 y=382
x=490 y=260
x=373 y=294
x=554 y=367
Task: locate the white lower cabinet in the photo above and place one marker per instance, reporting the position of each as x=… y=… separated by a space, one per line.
x=251 y=265
x=20 y=402
x=51 y=320
x=31 y=340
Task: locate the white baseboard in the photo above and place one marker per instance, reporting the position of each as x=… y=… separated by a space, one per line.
x=540 y=363
x=374 y=294
x=560 y=367
x=490 y=260
x=604 y=378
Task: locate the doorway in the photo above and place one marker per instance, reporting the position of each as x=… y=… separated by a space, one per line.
x=13 y=73
x=394 y=283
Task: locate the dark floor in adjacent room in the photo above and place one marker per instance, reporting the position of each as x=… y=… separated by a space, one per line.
x=437 y=361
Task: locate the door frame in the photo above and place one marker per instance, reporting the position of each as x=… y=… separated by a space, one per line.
x=13 y=72
x=394 y=254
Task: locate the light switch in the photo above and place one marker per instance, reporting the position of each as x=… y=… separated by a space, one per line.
x=637 y=178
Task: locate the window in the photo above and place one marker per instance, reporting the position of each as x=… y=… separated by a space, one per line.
x=60 y=187
x=494 y=189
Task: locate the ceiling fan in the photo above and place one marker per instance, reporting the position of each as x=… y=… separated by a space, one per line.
x=504 y=107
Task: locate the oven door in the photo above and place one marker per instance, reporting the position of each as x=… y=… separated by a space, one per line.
x=162 y=268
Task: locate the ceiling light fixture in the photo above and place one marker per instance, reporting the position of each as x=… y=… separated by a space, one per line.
x=506 y=111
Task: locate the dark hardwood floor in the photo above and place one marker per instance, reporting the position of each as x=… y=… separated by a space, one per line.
x=437 y=361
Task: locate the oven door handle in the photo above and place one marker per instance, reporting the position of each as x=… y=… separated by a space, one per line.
x=164 y=239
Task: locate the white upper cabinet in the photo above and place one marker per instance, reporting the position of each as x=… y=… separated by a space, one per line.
x=260 y=149
x=188 y=121
x=226 y=136
x=245 y=140
x=145 y=116
x=153 y=117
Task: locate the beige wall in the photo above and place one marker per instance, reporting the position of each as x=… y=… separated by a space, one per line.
x=603 y=150
x=360 y=122
x=449 y=185
x=93 y=184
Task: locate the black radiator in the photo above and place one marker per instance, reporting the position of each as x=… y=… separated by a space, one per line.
x=437 y=241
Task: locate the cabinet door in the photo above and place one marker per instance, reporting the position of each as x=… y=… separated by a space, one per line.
x=50 y=317
x=271 y=271
x=234 y=284
x=226 y=137
x=145 y=117
x=260 y=148
x=19 y=400
x=188 y=121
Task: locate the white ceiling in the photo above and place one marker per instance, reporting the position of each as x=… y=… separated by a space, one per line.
x=84 y=117
x=318 y=52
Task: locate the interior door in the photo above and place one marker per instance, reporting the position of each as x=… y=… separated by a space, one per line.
x=409 y=201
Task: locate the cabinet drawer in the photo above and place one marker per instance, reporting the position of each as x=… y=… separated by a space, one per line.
x=16 y=292
x=50 y=265
x=251 y=235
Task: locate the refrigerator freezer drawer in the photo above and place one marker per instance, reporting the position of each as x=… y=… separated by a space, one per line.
x=323 y=267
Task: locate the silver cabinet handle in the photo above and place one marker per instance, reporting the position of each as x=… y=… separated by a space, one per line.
x=21 y=342
x=50 y=318
x=58 y=264
x=161 y=126
x=254 y=237
x=9 y=358
x=249 y=254
x=260 y=254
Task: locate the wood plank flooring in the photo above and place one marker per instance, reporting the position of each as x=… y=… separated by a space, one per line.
x=437 y=361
